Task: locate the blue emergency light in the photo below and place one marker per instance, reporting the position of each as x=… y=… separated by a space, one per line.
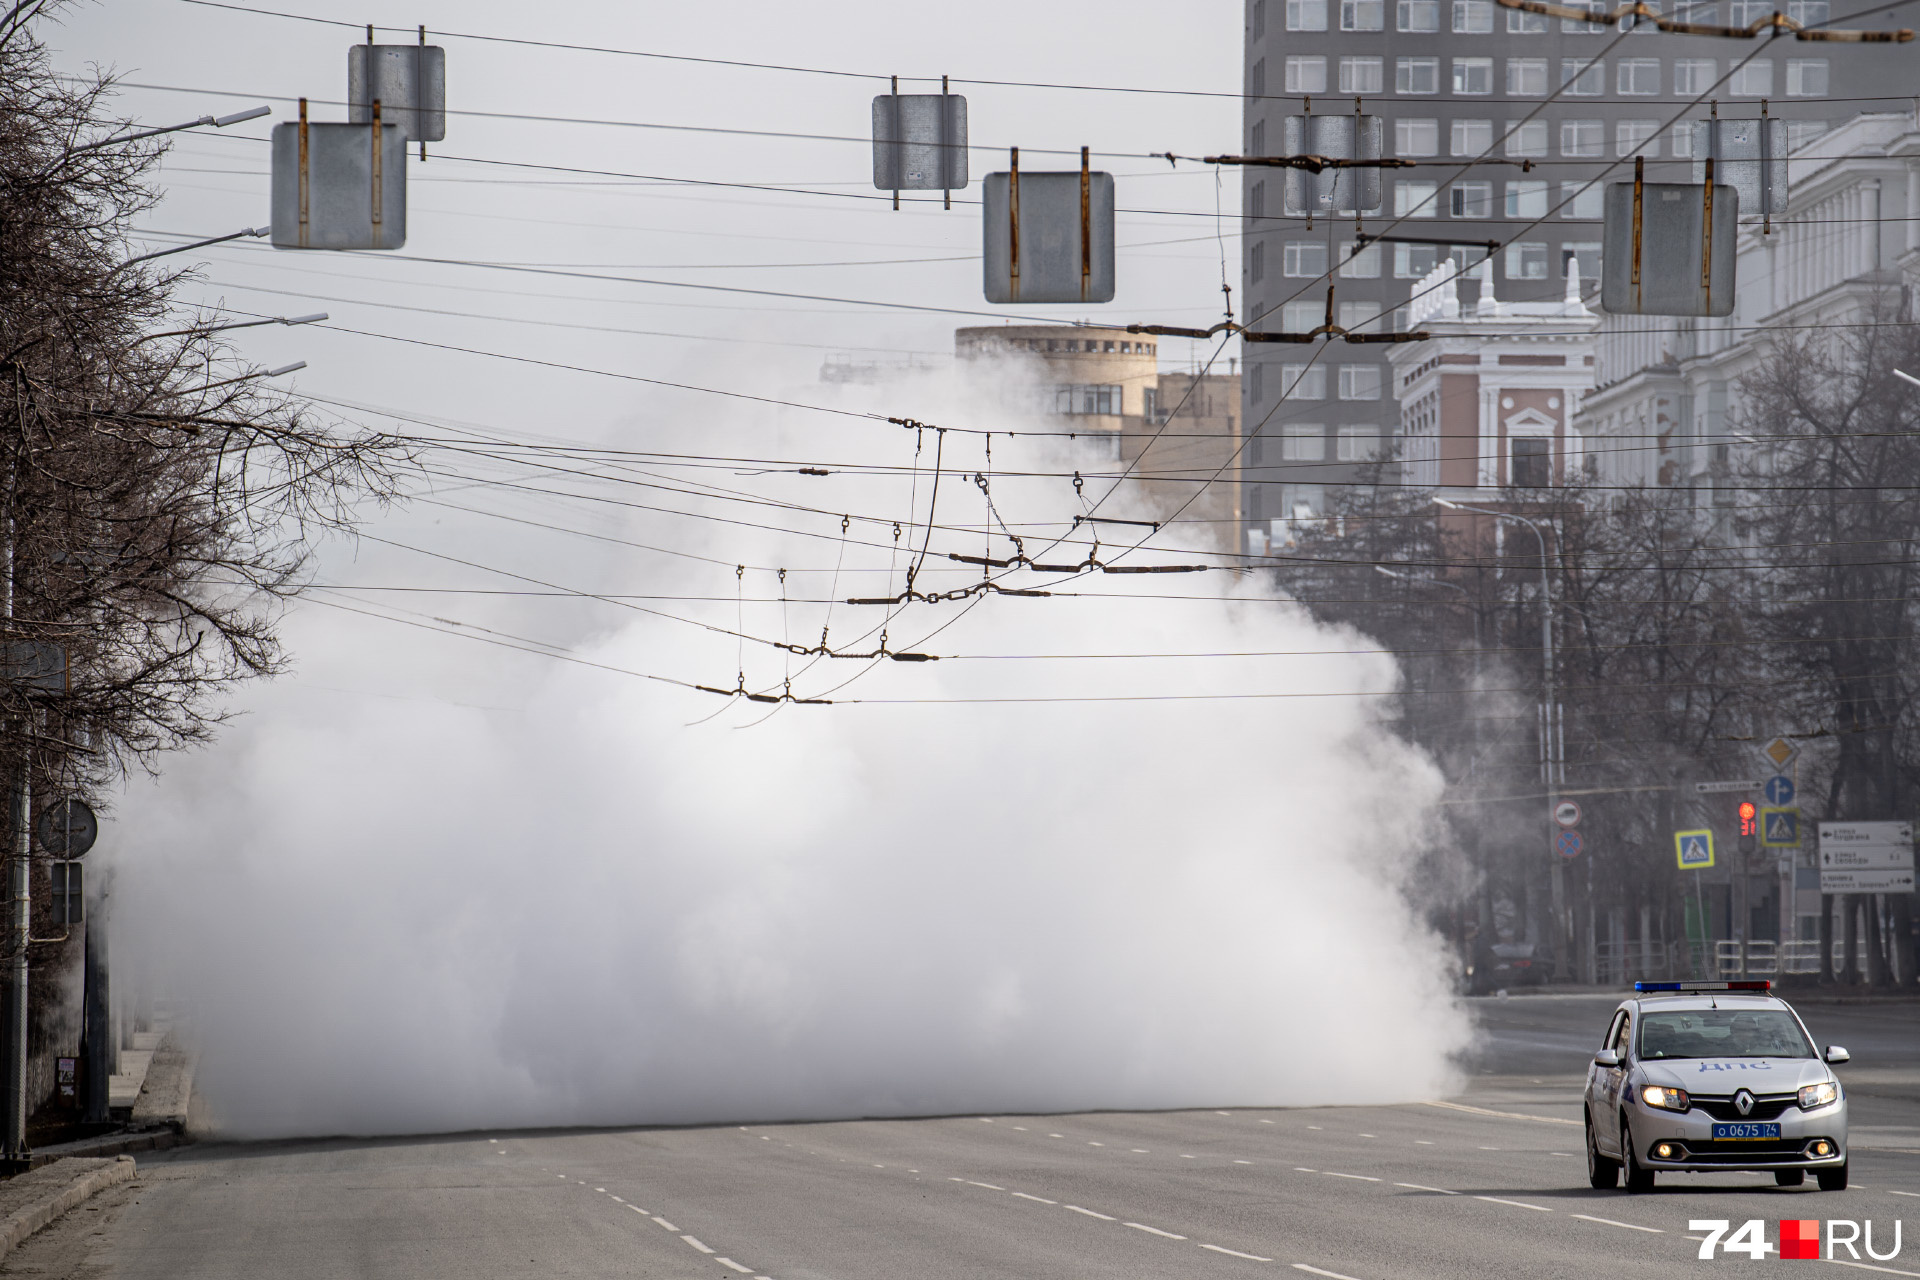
x=1757 y=984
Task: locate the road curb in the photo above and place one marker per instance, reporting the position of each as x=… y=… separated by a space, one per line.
x=111 y=1144
x=88 y=1181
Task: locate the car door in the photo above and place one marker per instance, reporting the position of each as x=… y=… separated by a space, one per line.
x=1614 y=1079
x=1601 y=1090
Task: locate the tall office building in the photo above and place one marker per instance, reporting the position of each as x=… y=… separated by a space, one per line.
x=1455 y=79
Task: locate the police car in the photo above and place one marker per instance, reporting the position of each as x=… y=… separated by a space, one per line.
x=1710 y=1077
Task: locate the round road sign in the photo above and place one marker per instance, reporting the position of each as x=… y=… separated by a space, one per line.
x=67 y=828
x=1567 y=813
x=1567 y=844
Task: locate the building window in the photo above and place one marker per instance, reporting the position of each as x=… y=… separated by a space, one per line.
x=1303 y=382
x=1257 y=78
x=1806 y=77
x=1357 y=444
x=1257 y=263
x=1802 y=132
x=1419 y=15
x=1412 y=261
x=1473 y=75
x=1306 y=258
x=1639 y=25
x=1637 y=76
x=1360 y=381
x=1705 y=12
x=1583 y=139
x=1587 y=254
x=1306 y=74
x=1364 y=265
x=1363 y=317
x=1416 y=136
x=1471 y=200
x=1810 y=13
x=1529 y=462
x=1303 y=441
x=1302 y=316
x=1527 y=260
x=1527 y=199
x=1086 y=399
x=1582 y=200
x=1416 y=75
x=1471 y=137
x=1526 y=77
x=1584 y=77
x=1414 y=199
x=1747 y=12
x=1636 y=137
x=1522 y=23
x=1473 y=17
x=1468 y=257
x=1362 y=75
x=1526 y=138
x=1363 y=15
x=1259 y=18
x=1306 y=15
x=1259 y=394
x=1755 y=80
x=1694 y=75
x=1258 y=138
x=1581 y=27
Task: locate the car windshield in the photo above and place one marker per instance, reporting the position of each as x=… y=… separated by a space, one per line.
x=1722 y=1033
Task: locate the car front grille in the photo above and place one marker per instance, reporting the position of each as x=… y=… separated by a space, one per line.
x=1771 y=1108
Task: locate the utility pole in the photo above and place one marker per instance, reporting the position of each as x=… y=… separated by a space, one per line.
x=97 y=1014
x=19 y=917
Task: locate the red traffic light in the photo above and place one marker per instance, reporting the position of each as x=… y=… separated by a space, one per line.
x=1749 y=814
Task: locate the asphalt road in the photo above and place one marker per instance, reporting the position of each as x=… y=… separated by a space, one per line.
x=1490 y=1184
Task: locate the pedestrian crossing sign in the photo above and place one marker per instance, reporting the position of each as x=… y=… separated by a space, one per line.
x=1780 y=828
x=1694 y=849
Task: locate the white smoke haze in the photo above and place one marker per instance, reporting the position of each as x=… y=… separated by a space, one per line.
x=425 y=884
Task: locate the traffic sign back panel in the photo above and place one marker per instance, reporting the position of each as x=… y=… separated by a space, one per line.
x=1693 y=849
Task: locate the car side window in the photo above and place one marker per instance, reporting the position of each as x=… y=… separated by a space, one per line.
x=1614 y=1030
x=1623 y=1036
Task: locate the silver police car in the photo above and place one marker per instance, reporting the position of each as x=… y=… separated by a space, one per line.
x=1707 y=1077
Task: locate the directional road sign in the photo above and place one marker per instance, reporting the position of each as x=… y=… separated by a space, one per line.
x=1779 y=790
x=1567 y=813
x=1693 y=849
x=1866 y=857
x=1780 y=828
x=1567 y=843
x=1715 y=788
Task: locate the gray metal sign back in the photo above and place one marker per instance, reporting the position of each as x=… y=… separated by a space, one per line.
x=919 y=142
x=35 y=664
x=1335 y=138
x=1748 y=155
x=1048 y=237
x=339 y=186
x=409 y=81
x=1667 y=249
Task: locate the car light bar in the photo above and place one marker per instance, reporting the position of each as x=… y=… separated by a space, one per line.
x=1756 y=984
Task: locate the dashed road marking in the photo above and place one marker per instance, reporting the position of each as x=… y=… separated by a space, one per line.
x=668 y=1225
x=1915 y=1194
x=729 y=1262
x=1056 y=1135
x=1301 y=1169
x=1421 y=1142
x=1313 y=1126
x=1223 y=1113
x=1316 y=1271
x=1090 y=1213
x=1414 y=1186
x=1266 y=1122
x=1020 y=1128
x=601 y=1190
x=1096 y=1144
x=988 y=1185
x=637 y=1209
x=1141 y=1226
x=1609 y=1222
x=1518 y=1204
x=1235 y=1253
x=696 y=1244
x=1366 y=1135
x=1040 y=1199
x=1357 y=1177
x=1243 y=1162
x=1189 y=1157
x=1141 y=1151
x=1489 y=1148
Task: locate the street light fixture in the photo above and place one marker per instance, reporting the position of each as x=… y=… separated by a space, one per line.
x=259 y=373
x=218 y=122
x=1906 y=377
x=197 y=244
x=1549 y=722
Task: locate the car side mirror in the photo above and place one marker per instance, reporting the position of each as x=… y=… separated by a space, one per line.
x=1608 y=1058
x=1836 y=1055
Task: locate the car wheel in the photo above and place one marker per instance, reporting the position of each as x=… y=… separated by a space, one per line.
x=1789 y=1177
x=1832 y=1179
x=1639 y=1179
x=1602 y=1173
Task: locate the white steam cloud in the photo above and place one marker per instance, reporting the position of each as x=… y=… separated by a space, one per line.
x=430 y=885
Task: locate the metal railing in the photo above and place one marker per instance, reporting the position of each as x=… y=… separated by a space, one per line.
x=1762 y=957
x=1622 y=963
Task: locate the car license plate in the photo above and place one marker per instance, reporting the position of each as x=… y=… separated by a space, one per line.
x=1745 y=1132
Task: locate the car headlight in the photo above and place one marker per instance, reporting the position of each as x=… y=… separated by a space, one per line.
x=1818 y=1095
x=1666 y=1099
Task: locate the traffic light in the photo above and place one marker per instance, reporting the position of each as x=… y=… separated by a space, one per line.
x=1749 y=814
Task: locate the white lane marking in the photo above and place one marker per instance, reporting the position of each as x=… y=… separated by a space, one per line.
x=601 y=1190
x=1300 y=1169
x=668 y=1225
x=1414 y=1186
x=637 y=1209
x=1020 y=1128
x=1155 y=1231
x=1421 y=1142
x=618 y=1200
x=561 y=1176
x=956 y=1179
x=983 y=1120
x=1223 y=1113
x=1489 y=1148
x=1235 y=1253
x=696 y=1244
x=1038 y=1199
x=1243 y=1162
x=493 y=1139
x=765 y=1138
x=1518 y=1204
x=1096 y=1144
x=1141 y=1151
x=1609 y=1222
x=879 y=1166
x=1842 y=1262
x=913 y=1171
x=1090 y=1213
x=988 y=1185
x=1315 y=1271
x=736 y=1266
x=1366 y=1135
x=1313 y=1126
x=1189 y=1157
x=1055 y=1135
x=1567 y=1154
x=1357 y=1177
x=1915 y=1194
x=1504 y=1115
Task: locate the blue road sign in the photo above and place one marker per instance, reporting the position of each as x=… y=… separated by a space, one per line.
x=1779 y=790
x=1780 y=828
x=1567 y=844
x=1694 y=849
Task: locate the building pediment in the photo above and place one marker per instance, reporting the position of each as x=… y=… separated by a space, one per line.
x=1531 y=420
